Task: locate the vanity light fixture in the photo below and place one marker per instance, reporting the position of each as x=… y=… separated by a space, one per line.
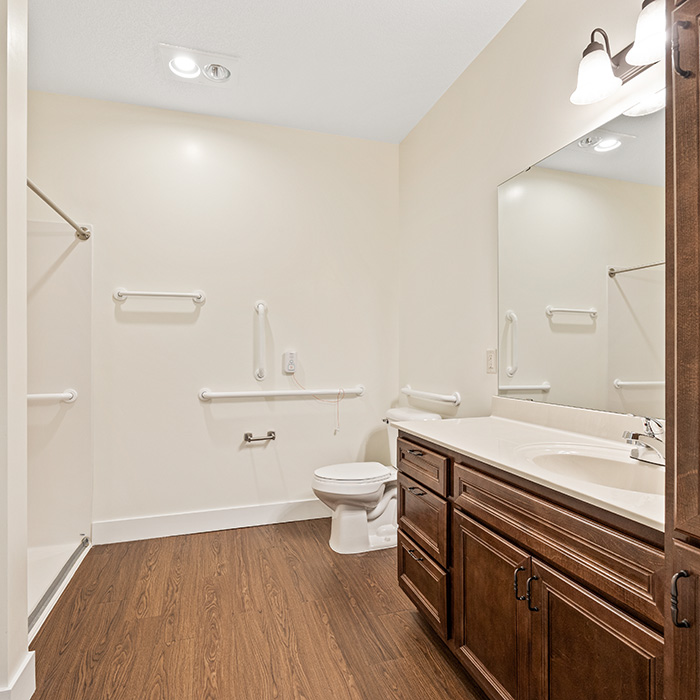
x=596 y=79
x=650 y=37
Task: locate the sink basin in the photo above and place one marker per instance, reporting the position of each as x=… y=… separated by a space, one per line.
x=604 y=466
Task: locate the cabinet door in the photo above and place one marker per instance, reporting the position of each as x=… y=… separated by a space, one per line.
x=491 y=626
x=583 y=648
x=684 y=237
x=683 y=680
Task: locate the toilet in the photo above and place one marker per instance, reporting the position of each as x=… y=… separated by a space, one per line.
x=362 y=495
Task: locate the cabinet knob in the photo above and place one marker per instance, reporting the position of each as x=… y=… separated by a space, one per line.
x=674 y=599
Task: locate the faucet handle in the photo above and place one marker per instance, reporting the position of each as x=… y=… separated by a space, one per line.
x=630 y=436
x=649 y=424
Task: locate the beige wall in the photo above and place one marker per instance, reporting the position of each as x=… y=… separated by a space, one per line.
x=508 y=110
x=558 y=234
x=306 y=222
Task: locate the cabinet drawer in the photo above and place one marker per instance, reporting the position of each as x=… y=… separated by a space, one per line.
x=425 y=466
x=424 y=582
x=625 y=570
x=423 y=516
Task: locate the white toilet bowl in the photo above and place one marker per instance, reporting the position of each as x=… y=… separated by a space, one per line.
x=362 y=495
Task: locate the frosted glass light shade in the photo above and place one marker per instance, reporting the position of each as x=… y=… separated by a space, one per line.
x=650 y=38
x=596 y=79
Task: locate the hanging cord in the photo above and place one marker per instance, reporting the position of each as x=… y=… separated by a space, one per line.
x=336 y=401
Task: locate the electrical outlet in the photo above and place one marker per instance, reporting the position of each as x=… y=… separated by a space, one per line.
x=492 y=361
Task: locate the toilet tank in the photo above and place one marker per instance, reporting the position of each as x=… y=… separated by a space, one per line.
x=396 y=415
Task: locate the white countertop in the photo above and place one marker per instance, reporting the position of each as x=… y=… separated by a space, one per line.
x=500 y=441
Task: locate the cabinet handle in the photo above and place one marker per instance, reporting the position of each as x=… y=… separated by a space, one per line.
x=515 y=583
x=413 y=556
x=416 y=491
x=417 y=453
x=681 y=24
x=674 y=599
x=528 y=597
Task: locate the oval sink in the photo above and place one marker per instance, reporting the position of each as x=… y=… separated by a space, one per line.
x=604 y=466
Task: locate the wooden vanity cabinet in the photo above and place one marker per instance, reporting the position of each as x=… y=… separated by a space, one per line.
x=544 y=603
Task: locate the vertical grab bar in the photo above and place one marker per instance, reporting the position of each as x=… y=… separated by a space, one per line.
x=513 y=367
x=260 y=310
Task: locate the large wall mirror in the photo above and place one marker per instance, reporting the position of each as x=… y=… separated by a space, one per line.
x=581 y=272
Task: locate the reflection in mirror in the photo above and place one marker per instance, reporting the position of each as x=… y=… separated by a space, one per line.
x=575 y=331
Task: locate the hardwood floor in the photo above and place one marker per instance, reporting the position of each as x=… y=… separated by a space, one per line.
x=249 y=614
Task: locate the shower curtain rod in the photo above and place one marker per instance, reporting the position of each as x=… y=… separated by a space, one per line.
x=81 y=232
x=612 y=271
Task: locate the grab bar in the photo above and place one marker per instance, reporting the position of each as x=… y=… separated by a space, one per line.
x=551 y=310
x=207 y=394
x=121 y=294
x=545 y=387
x=81 y=232
x=260 y=310
x=68 y=396
x=271 y=435
x=455 y=398
x=619 y=384
x=612 y=271
x=513 y=367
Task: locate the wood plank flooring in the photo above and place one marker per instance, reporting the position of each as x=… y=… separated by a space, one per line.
x=250 y=614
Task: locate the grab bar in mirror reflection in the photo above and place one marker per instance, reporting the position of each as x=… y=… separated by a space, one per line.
x=551 y=310
x=513 y=367
x=545 y=387
x=619 y=384
x=455 y=398
x=67 y=396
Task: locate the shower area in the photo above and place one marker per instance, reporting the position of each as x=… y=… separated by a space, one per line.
x=59 y=443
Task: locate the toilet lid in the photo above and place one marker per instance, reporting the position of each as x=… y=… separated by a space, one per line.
x=354 y=471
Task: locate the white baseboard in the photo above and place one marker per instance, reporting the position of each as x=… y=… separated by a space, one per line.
x=128 y=529
x=23 y=685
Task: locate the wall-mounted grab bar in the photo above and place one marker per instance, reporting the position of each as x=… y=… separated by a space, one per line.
x=81 y=232
x=271 y=435
x=513 y=367
x=260 y=310
x=551 y=310
x=545 y=387
x=121 y=294
x=619 y=384
x=455 y=398
x=207 y=394
x=68 y=396
x=612 y=271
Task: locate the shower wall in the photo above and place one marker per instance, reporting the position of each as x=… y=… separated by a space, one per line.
x=59 y=445
x=306 y=222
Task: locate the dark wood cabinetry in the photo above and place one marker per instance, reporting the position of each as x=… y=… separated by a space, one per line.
x=542 y=602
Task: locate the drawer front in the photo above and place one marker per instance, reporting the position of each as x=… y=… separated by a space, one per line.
x=623 y=569
x=424 y=582
x=425 y=466
x=423 y=516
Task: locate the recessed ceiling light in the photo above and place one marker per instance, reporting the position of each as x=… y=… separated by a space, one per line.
x=217 y=72
x=589 y=141
x=609 y=143
x=184 y=66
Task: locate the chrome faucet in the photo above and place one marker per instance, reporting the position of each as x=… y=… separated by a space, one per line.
x=648 y=446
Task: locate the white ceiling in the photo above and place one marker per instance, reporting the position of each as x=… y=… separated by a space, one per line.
x=367 y=68
x=641 y=158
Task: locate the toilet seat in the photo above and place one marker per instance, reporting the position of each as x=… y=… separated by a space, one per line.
x=355 y=473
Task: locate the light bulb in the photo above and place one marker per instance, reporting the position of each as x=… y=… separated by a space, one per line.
x=184 y=66
x=650 y=37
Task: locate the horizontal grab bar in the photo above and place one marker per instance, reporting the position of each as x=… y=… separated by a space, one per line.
x=121 y=294
x=68 y=396
x=545 y=386
x=455 y=398
x=551 y=310
x=207 y=394
x=271 y=435
x=619 y=384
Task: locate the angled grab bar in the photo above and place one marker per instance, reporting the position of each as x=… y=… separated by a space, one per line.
x=455 y=398
x=81 y=232
x=513 y=367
